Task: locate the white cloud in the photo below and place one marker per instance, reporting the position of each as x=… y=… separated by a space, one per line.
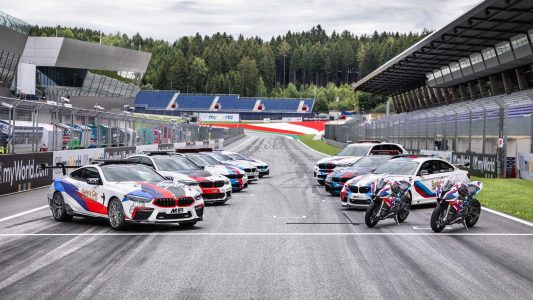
x=171 y=19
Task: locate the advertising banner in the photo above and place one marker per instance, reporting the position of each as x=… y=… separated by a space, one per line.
x=292 y=119
x=209 y=117
x=20 y=172
x=480 y=165
x=80 y=158
x=118 y=152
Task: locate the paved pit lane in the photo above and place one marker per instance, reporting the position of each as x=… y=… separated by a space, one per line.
x=284 y=237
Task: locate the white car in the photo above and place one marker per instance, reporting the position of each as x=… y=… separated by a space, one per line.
x=351 y=154
x=426 y=173
x=246 y=166
x=237 y=177
x=262 y=167
x=123 y=192
x=213 y=187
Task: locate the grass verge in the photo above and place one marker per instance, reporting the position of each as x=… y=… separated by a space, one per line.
x=510 y=196
x=318 y=145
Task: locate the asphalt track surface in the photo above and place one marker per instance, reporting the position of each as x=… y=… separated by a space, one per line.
x=282 y=238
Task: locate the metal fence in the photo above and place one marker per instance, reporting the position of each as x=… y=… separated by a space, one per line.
x=32 y=126
x=499 y=125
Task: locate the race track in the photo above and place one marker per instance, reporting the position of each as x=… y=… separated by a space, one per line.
x=282 y=238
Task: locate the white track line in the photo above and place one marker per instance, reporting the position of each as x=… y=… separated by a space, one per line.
x=24 y=213
x=508 y=216
x=250 y=138
x=332 y=234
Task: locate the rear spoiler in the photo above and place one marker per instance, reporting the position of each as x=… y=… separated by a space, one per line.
x=158 y=152
x=59 y=165
x=193 y=150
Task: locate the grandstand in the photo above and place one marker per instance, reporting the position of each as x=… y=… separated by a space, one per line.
x=465 y=91
x=176 y=103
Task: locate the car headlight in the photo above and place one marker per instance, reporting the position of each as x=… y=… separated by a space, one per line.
x=198 y=197
x=138 y=199
x=227 y=182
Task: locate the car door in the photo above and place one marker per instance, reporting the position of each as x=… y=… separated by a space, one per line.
x=93 y=195
x=428 y=175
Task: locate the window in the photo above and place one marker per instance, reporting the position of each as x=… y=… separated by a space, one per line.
x=90 y=173
x=386 y=149
x=445 y=167
x=489 y=53
x=430 y=76
x=476 y=59
x=146 y=161
x=455 y=67
x=354 y=150
x=134 y=159
x=437 y=74
x=77 y=174
x=520 y=42
x=503 y=48
x=445 y=71
x=465 y=63
x=432 y=166
x=120 y=173
x=397 y=167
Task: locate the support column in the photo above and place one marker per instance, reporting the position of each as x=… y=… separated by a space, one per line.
x=395 y=104
x=436 y=95
x=418 y=98
x=428 y=96
x=415 y=99
x=405 y=103
x=494 y=86
x=472 y=91
x=462 y=92
x=521 y=78
x=507 y=83
x=483 y=88
x=453 y=91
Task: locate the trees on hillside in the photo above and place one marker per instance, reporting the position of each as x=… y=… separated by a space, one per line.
x=285 y=65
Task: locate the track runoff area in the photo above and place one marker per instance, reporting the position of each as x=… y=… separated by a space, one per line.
x=284 y=237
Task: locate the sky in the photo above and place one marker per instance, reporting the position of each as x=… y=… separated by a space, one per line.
x=167 y=19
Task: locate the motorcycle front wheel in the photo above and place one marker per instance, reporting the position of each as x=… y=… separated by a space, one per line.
x=372 y=214
x=438 y=221
x=405 y=208
x=473 y=213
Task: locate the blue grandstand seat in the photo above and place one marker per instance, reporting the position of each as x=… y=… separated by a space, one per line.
x=153 y=99
x=288 y=105
x=233 y=103
x=195 y=102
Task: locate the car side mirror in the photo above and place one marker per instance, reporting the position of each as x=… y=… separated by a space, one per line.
x=169 y=177
x=466 y=165
x=424 y=172
x=93 y=181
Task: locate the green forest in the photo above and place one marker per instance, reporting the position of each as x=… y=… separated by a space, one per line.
x=306 y=64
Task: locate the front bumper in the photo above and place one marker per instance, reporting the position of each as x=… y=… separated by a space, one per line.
x=333 y=188
x=253 y=176
x=149 y=213
x=263 y=171
x=356 y=200
x=219 y=197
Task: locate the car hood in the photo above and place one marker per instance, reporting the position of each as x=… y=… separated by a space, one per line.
x=339 y=160
x=196 y=173
x=240 y=164
x=365 y=180
x=163 y=189
x=257 y=162
x=223 y=169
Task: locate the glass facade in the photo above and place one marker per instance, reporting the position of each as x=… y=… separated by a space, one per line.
x=8 y=67
x=14 y=24
x=61 y=82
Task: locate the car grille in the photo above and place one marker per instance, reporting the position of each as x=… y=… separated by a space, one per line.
x=262 y=167
x=326 y=166
x=344 y=179
x=360 y=202
x=233 y=176
x=364 y=189
x=213 y=196
x=250 y=170
x=165 y=202
x=335 y=179
x=210 y=184
x=143 y=214
x=185 y=201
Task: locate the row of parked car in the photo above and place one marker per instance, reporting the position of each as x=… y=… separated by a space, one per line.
x=152 y=187
x=351 y=172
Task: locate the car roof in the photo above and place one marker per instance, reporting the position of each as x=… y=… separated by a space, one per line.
x=373 y=144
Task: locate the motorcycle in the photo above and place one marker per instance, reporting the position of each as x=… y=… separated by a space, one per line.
x=456 y=203
x=390 y=199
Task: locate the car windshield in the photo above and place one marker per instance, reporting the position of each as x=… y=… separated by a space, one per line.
x=118 y=173
x=174 y=163
x=237 y=156
x=203 y=160
x=371 y=161
x=355 y=150
x=397 y=167
x=219 y=157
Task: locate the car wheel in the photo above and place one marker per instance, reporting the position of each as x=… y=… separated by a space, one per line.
x=188 y=224
x=473 y=214
x=115 y=212
x=59 y=209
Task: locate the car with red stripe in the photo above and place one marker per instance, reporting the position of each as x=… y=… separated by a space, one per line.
x=237 y=177
x=123 y=193
x=425 y=171
x=214 y=188
x=351 y=154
